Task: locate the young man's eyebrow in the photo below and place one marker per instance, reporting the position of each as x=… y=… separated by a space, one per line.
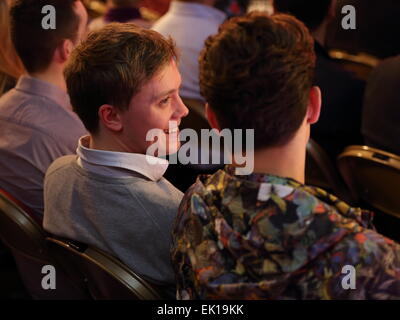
x=164 y=94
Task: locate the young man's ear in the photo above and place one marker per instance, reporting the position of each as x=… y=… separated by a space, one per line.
x=314 y=105
x=110 y=118
x=212 y=118
x=63 y=51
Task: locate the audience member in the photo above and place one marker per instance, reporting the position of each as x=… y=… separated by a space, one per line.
x=120 y=11
x=37 y=124
x=381 y=116
x=189 y=23
x=123 y=81
x=11 y=67
x=233 y=8
x=159 y=6
x=342 y=93
x=267 y=235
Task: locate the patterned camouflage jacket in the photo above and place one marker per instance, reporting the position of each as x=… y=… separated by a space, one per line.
x=267 y=237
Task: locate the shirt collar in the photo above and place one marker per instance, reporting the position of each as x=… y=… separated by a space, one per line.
x=262 y=177
x=44 y=89
x=112 y=161
x=197 y=10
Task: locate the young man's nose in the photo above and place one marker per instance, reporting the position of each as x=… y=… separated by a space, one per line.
x=181 y=110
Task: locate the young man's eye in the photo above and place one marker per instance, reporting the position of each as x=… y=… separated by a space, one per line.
x=165 y=101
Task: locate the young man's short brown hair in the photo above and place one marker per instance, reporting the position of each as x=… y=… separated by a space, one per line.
x=256 y=73
x=111 y=66
x=36 y=45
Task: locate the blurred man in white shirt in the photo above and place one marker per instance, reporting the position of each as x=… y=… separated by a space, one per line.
x=189 y=23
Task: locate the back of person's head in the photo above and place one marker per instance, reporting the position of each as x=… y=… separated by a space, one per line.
x=10 y=63
x=256 y=73
x=35 y=44
x=311 y=12
x=111 y=66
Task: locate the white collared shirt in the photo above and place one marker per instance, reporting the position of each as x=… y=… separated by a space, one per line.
x=119 y=164
x=189 y=24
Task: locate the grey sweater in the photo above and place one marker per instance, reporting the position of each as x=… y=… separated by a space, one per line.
x=130 y=218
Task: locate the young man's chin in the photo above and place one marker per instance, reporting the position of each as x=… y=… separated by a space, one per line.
x=168 y=149
x=173 y=148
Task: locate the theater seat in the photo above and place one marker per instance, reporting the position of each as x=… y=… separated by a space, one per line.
x=373 y=176
x=26 y=240
x=360 y=64
x=106 y=277
x=321 y=172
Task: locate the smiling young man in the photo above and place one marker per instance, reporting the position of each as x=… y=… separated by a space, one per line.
x=123 y=82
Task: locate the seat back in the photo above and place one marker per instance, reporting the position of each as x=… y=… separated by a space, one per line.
x=26 y=240
x=373 y=176
x=19 y=230
x=360 y=64
x=321 y=172
x=106 y=277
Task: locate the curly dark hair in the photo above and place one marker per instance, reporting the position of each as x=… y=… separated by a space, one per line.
x=311 y=12
x=256 y=73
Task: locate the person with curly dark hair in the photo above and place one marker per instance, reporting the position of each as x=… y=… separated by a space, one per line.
x=267 y=235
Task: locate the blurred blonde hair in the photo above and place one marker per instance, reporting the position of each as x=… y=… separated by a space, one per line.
x=10 y=64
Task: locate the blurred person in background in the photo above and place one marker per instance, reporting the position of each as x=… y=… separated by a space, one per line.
x=37 y=124
x=158 y=6
x=189 y=23
x=120 y=11
x=11 y=67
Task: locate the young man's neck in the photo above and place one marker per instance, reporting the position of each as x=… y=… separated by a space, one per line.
x=285 y=161
x=100 y=141
x=54 y=76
